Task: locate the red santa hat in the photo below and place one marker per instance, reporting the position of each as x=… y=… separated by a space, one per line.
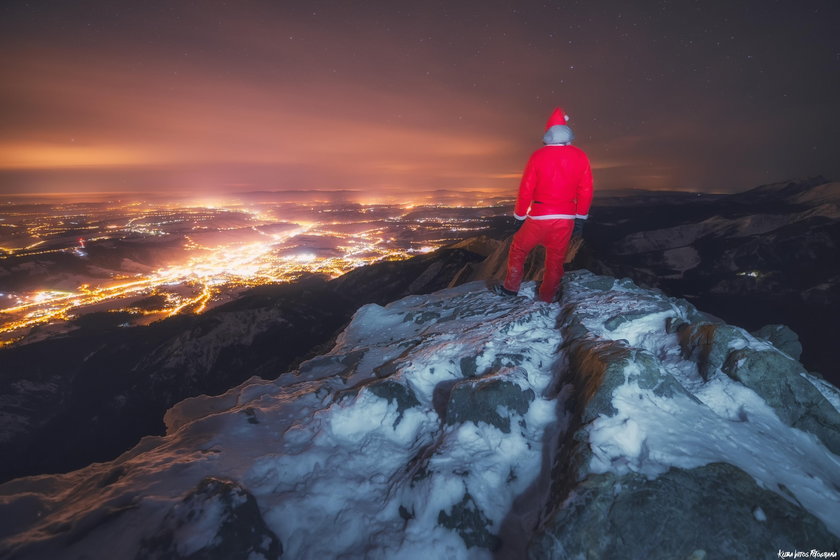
x=559 y=116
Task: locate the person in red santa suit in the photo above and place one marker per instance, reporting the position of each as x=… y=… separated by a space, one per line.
x=554 y=198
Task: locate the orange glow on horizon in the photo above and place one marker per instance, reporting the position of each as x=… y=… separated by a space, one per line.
x=187 y=131
x=47 y=156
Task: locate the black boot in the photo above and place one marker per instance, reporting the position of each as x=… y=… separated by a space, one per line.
x=499 y=289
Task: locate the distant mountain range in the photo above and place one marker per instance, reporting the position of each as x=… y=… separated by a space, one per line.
x=436 y=196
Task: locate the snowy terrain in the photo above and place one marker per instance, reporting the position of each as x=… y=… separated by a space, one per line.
x=716 y=420
x=766 y=255
x=435 y=429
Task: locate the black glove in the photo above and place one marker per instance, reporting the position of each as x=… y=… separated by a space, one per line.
x=578 y=231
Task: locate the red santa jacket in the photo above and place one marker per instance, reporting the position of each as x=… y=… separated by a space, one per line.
x=557 y=182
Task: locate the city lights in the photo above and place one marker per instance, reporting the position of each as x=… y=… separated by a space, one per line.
x=156 y=261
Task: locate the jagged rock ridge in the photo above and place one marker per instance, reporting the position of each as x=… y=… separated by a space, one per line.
x=622 y=423
x=769 y=254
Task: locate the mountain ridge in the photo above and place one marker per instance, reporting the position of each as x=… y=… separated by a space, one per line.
x=476 y=426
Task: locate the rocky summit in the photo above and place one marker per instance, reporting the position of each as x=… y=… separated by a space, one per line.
x=618 y=423
x=768 y=254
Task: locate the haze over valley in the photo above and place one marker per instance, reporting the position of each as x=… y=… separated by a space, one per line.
x=142 y=260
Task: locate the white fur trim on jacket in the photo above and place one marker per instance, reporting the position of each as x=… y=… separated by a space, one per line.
x=554 y=217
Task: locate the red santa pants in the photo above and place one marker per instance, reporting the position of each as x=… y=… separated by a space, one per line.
x=554 y=235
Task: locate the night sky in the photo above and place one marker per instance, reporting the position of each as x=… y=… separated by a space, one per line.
x=211 y=96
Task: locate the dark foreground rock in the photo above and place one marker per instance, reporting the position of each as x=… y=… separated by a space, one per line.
x=715 y=511
x=218 y=520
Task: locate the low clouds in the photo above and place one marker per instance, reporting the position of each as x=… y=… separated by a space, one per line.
x=398 y=97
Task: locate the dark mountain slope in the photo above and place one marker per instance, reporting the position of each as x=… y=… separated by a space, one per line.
x=771 y=254
x=92 y=394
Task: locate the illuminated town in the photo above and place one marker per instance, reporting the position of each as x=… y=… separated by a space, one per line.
x=151 y=260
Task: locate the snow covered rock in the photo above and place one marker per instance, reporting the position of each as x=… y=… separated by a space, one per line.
x=217 y=520
x=671 y=450
x=462 y=424
x=416 y=433
x=773 y=374
x=489 y=399
x=795 y=397
x=767 y=255
x=783 y=338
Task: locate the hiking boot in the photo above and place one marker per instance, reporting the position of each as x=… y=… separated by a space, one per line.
x=500 y=290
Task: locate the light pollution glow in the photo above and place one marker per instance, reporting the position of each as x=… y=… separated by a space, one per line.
x=398 y=96
x=210 y=274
